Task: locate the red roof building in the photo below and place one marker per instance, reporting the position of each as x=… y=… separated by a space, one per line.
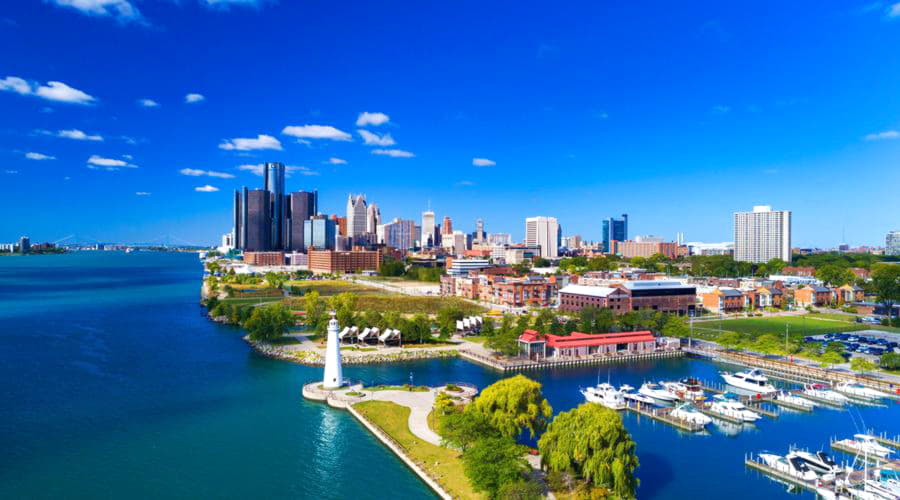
x=535 y=345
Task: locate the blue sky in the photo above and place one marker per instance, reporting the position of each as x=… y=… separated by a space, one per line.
x=677 y=116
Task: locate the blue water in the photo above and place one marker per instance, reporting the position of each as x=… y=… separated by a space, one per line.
x=115 y=385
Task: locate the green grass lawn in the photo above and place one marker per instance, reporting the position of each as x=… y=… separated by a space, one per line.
x=407 y=304
x=442 y=463
x=328 y=288
x=478 y=339
x=800 y=325
x=251 y=300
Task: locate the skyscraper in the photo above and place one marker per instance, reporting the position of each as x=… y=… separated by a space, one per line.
x=373 y=218
x=301 y=206
x=762 y=235
x=428 y=233
x=543 y=231
x=400 y=234
x=479 y=236
x=356 y=215
x=273 y=182
x=892 y=243
x=319 y=233
x=447 y=226
x=259 y=221
x=614 y=230
x=237 y=216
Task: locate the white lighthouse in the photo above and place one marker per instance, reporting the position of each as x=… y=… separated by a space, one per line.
x=333 y=378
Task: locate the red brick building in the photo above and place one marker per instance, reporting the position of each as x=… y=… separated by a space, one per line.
x=331 y=261
x=264 y=258
x=656 y=295
x=723 y=300
x=534 y=345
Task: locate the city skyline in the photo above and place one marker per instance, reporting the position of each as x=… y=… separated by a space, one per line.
x=674 y=131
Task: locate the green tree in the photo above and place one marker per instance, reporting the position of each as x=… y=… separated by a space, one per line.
x=861 y=365
x=513 y=405
x=886 y=284
x=488 y=328
x=570 y=326
x=521 y=490
x=316 y=311
x=831 y=358
x=269 y=322
x=492 y=463
x=596 y=320
x=675 y=326
x=890 y=361
x=768 y=344
x=592 y=442
x=835 y=275
x=775 y=266
x=460 y=430
x=447 y=317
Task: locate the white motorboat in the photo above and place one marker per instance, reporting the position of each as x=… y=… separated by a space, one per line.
x=629 y=395
x=687 y=412
x=858 y=390
x=723 y=405
x=606 y=395
x=750 y=380
x=787 y=397
x=822 y=391
x=688 y=389
x=867 y=445
x=657 y=391
x=790 y=464
x=819 y=462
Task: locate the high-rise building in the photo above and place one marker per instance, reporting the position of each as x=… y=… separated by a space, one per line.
x=341 y=225
x=543 y=232
x=614 y=230
x=373 y=218
x=456 y=243
x=762 y=235
x=319 y=233
x=356 y=215
x=301 y=206
x=400 y=234
x=500 y=239
x=478 y=236
x=259 y=221
x=428 y=232
x=237 y=232
x=447 y=226
x=245 y=215
x=273 y=182
x=24 y=245
x=892 y=243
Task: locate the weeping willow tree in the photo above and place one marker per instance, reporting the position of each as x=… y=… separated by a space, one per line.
x=513 y=405
x=591 y=442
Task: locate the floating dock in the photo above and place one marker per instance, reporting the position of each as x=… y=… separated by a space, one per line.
x=892 y=442
x=822 y=401
x=719 y=416
x=663 y=415
x=789 y=405
x=837 y=445
x=779 y=475
x=505 y=365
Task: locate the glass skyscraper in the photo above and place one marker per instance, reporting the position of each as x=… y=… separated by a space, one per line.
x=273 y=174
x=614 y=230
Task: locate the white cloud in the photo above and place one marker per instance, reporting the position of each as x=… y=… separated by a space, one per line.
x=53 y=91
x=227 y=3
x=39 y=156
x=74 y=134
x=96 y=162
x=142 y=193
x=122 y=10
x=375 y=119
x=192 y=98
x=394 y=153
x=375 y=139
x=248 y=144
x=894 y=10
x=11 y=171
x=211 y=173
x=336 y=161
x=483 y=162
x=290 y=169
x=148 y=103
x=254 y=169
x=887 y=134
x=206 y=189
x=316 y=132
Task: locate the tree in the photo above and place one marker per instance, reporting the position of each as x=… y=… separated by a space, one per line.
x=487 y=328
x=461 y=430
x=447 y=317
x=890 y=361
x=886 y=284
x=521 y=490
x=494 y=462
x=835 y=275
x=316 y=311
x=676 y=326
x=268 y=322
x=596 y=320
x=861 y=365
x=775 y=266
x=543 y=320
x=592 y=442
x=513 y=405
x=767 y=344
x=831 y=358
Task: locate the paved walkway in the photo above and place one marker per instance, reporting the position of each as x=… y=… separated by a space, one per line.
x=419 y=404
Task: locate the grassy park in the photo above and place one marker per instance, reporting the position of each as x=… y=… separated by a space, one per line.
x=441 y=463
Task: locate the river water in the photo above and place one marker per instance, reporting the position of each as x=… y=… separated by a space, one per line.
x=114 y=385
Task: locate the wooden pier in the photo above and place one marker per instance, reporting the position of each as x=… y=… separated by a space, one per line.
x=779 y=475
x=816 y=399
x=662 y=415
x=789 y=405
x=505 y=365
x=752 y=404
x=875 y=460
x=883 y=439
x=755 y=405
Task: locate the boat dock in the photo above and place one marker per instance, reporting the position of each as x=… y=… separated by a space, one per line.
x=709 y=413
x=837 y=445
x=892 y=442
x=753 y=404
x=758 y=465
x=789 y=405
x=513 y=364
x=662 y=415
x=819 y=400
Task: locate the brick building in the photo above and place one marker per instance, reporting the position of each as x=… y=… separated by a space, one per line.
x=264 y=258
x=656 y=295
x=723 y=300
x=574 y=298
x=812 y=296
x=534 y=345
x=629 y=249
x=331 y=261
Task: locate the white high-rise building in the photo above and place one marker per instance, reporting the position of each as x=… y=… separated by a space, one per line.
x=356 y=215
x=427 y=229
x=456 y=243
x=892 y=243
x=543 y=231
x=373 y=218
x=762 y=235
x=333 y=376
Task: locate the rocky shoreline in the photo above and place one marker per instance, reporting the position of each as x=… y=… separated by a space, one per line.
x=311 y=358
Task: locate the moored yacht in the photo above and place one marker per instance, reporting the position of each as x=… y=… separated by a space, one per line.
x=657 y=391
x=858 y=390
x=629 y=395
x=687 y=389
x=866 y=444
x=822 y=391
x=750 y=380
x=819 y=462
x=687 y=412
x=787 y=397
x=789 y=464
x=729 y=407
x=606 y=395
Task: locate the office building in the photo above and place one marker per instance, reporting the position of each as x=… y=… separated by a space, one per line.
x=373 y=218
x=629 y=249
x=273 y=182
x=447 y=226
x=762 y=235
x=892 y=243
x=429 y=235
x=264 y=258
x=400 y=234
x=356 y=215
x=462 y=267
x=544 y=232
x=24 y=245
x=258 y=222
x=614 y=230
x=236 y=221
x=319 y=232
x=455 y=243
x=301 y=206
x=478 y=236
x=665 y=296
x=331 y=261
x=500 y=239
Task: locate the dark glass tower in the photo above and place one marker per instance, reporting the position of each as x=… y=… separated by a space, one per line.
x=237 y=220
x=259 y=221
x=614 y=230
x=273 y=174
x=301 y=206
